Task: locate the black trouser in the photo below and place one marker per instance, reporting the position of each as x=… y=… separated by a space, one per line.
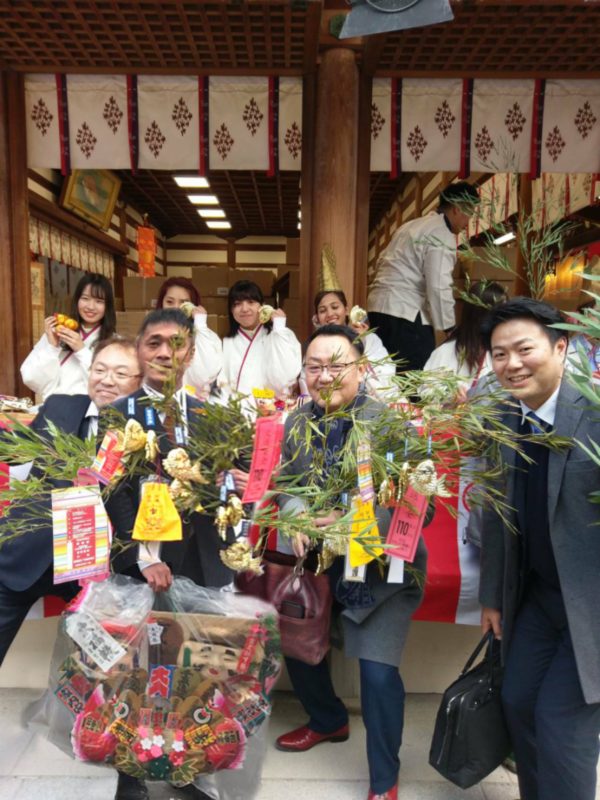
x=409 y=343
x=15 y=605
x=553 y=731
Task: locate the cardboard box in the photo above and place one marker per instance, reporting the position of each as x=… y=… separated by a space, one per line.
x=292 y=251
x=211 y=281
x=215 y=305
x=218 y=324
x=129 y=322
x=141 y=293
x=264 y=278
x=478 y=267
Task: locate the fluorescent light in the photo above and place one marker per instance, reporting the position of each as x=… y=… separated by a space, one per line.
x=191 y=182
x=218 y=224
x=299 y=226
x=203 y=199
x=506 y=237
x=299 y=213
x=211 y=213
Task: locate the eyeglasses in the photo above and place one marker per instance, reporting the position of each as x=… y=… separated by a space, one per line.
x=118 y=374
x=335 y=369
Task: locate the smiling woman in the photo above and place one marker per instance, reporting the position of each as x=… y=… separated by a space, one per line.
x=60 y=361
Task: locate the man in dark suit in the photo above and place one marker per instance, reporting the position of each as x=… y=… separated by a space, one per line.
x=540 y=565
x=26 y=562
x=165 y=347
x=197 y=556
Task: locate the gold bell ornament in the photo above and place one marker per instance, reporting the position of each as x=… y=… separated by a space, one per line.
x=240 y=557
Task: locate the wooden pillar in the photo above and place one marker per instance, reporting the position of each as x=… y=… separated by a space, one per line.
x=307 y=270
x=334 y=196
x=15 y=279
x=361 y=242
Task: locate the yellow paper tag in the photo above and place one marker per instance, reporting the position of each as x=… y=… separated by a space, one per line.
x=263 y=394
x=364 y=524
x=191 y=390
x=157 y=518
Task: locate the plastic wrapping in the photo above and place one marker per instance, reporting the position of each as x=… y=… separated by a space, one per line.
x=171 y=687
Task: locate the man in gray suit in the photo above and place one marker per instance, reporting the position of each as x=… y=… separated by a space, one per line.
x=540 y=566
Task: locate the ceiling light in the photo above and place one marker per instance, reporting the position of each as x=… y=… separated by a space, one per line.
x=299 y=226
x=211 y=213
x=506 y=237
x=299 y=213
x=203 y=199
x=218 y=224
x=191 y=182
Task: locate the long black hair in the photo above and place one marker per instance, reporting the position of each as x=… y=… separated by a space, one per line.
x=99 y=287
x=244 y=290
x=468 y=338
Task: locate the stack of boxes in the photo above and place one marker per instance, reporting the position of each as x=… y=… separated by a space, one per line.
x=213 y=283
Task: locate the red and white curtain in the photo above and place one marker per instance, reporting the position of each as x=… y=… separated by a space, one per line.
x=482 y=125
x=163 y=122
x=53 y=243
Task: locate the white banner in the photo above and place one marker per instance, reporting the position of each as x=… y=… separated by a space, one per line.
x=41 y=110
x=290 y=123
x=571 y=127
x=381 y=125
x=239 y=123
x=501 y=125
x=431 y=121
x=168 y=122
x=98 y=126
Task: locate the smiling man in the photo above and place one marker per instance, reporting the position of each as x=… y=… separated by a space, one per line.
x=375 y=614
x=26 y=562
x=539 y=585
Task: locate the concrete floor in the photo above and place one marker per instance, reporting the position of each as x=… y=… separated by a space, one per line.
x=31 y=767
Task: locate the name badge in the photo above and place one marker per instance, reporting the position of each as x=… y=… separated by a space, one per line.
x=150 y=417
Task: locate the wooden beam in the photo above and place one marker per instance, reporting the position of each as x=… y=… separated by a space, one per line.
x=372 y=52
x=307 y=279
x=311 y=37
x=494 y=74
x=361 y=228
x=15 y=256
x=55 y=215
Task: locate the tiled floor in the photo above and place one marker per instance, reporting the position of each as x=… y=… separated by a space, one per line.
x=32 y=768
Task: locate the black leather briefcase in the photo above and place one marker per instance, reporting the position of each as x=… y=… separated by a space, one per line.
x=470 y=737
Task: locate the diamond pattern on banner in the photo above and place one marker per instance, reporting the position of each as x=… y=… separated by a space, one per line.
x=98 y=121
x=381 y=125
x=571 y=127
x=430 y=128
x=290 y=123
x=168 y=122
x=41 y=112
x=238 y=123
x=501 y=125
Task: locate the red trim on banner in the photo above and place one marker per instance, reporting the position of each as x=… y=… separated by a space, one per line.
x=271 y=170
x=543 y=176
x=393 y=132
x=465 y=128
x=132 y=121
x=63 y=123
x=201 y=131
x=535 y=166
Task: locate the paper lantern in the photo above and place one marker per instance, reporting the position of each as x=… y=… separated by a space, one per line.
x=146 y=242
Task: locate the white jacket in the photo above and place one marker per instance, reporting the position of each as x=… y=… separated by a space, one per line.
x=208 y=357
x=43 y=373
x=267 y=361
x=414 y=273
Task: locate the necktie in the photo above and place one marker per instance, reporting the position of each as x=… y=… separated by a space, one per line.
x=536 y=424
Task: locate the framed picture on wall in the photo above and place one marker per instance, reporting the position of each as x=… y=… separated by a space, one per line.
x=91 y=194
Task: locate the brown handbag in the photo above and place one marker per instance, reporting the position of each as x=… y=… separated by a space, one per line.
x=302 y=599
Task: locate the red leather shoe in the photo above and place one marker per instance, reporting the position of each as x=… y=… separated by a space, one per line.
x=391 y=794
x=303 y=739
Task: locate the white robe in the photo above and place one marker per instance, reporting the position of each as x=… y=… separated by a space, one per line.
x=208 y=358
x=43 y=373
x=265 y=361
x=446 y=359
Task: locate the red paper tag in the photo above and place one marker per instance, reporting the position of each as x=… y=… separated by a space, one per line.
x=265 y=456
x=85 y=477
x=107 y=463
x=406 y=526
